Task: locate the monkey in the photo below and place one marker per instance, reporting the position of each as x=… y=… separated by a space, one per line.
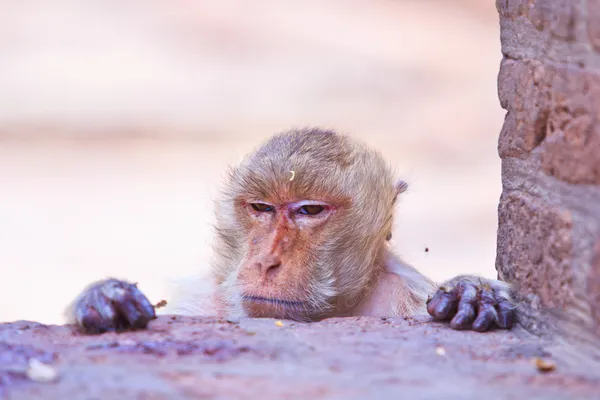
x=303 y=233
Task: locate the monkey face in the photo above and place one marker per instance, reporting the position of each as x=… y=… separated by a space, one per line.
x=278 y=275
x=301 y=226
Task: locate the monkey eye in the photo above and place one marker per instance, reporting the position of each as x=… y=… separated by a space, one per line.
x=262 y=207
x=311 y=209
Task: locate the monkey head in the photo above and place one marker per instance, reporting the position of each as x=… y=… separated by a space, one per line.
x=302 y=225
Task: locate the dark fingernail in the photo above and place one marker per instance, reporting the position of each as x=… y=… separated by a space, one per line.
x=144 y=305
x=506 y=314
x=130 y=313
x=446 y=307
x=91 y=322
x=482 y=323
x=463 y=319
x=147 y=309
x=443 y=304
x=506 y=319
x=459 y=324
x=443 y=309
x=432 y=304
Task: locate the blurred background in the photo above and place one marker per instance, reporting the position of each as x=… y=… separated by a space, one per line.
x=117 y=120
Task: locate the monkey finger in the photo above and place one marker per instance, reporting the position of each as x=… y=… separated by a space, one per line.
x=102 y=305
x=486 y=313
x=486 y=317
x=89 y=320
x=143 y=304
x=128 y=311
x=506 y=314
x=443 y=304
x=466 y=306
x=135 y=307
x=115 y=290
x=94 y=313
x=464 y=316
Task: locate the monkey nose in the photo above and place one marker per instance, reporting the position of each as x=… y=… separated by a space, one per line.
x=269 y=266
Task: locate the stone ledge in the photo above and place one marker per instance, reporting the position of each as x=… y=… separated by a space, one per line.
x=343 y=358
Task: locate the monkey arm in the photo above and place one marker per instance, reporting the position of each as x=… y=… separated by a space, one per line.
x=468 y=302
x=193 y=296
x=398 y=289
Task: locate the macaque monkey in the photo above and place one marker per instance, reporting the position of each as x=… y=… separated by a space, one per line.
x=302 y=233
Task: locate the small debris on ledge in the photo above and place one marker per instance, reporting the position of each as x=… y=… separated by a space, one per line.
x=440 y=351
x=161 y=304
x=544 y=365
x=40 y=372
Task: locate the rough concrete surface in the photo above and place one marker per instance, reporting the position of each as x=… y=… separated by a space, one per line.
x=184 y=357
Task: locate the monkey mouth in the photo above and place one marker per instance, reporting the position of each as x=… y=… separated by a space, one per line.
x=274 y=301
x=272 y=307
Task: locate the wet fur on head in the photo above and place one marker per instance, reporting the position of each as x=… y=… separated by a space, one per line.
x=326 y=166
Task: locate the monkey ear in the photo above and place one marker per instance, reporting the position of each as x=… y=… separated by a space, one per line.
x=401 y=187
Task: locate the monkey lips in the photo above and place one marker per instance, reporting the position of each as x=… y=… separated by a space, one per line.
x=264 y=307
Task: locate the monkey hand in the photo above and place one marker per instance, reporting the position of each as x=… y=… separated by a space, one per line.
x=473 y=303
x=112 y=305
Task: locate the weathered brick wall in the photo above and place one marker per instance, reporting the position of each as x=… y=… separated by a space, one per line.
x=549 y=213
